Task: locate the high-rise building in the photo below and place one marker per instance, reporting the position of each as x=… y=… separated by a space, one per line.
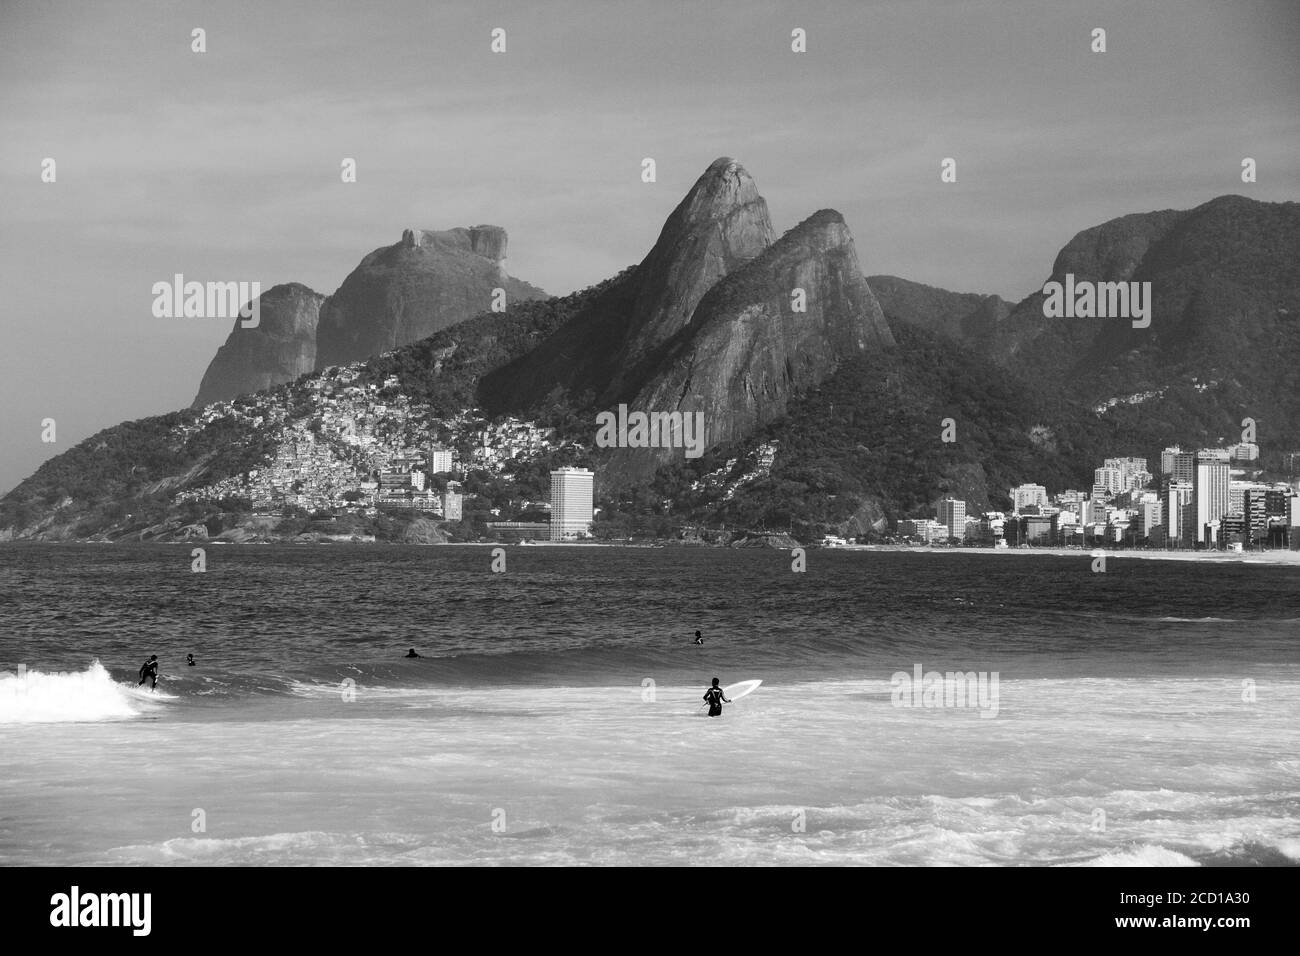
x=1025 y=495
x=439 y=460
x=452 y=506
x=1237 y=495
x=1150 y=516
x=1183 y=466
x=1133 y=472
x=572 y=503
x=1276 y=501
x=1210 y=491
x=1110 y=479
x=953 y=514
x=1178 y=496
x=1255 y=508
x=1167 y=459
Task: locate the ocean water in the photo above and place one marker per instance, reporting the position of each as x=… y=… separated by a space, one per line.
x=1146 y=715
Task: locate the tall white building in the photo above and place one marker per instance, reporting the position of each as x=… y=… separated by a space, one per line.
x=952 y=513
x=439 y=460
x=1210 y=488
x=572 y=503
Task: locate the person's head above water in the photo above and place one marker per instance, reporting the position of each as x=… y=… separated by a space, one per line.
x=715 y=682
x=697 y=633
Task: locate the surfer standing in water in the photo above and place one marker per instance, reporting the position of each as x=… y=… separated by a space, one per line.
x=713 y=697
x=150 y=669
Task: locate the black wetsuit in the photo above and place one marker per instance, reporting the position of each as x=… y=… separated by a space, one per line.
x=150 y=669
x=714 y=697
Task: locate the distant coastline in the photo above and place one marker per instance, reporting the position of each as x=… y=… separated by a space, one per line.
x=1248 y=557
x=1275 y=557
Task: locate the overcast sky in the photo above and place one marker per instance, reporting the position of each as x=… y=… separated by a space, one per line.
x=225 y=165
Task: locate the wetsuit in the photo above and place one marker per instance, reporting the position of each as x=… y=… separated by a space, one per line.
x=150 y=669
x=714 y=697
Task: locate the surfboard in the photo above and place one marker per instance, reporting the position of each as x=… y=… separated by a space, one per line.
x=733 y=692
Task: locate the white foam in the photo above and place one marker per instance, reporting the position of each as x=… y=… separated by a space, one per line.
x=32 y=697
x=1143 y=856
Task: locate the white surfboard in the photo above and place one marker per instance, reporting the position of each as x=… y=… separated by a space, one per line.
x=733 y=692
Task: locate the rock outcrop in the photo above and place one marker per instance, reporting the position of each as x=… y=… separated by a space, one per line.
x=722 y=224
x=746 y=350
x=407 y=291
x=278 y=350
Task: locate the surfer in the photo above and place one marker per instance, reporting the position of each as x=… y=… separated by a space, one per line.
x=189 y=659
x=150 y=669
x=713 y=697
x=698 y=638
x=411 y=653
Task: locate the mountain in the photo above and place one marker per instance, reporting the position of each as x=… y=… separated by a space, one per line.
x=866 y=444
x=746 y=351
x=1223 y=342
x=404 y=292
x=722 y=224
x=826 y=418
x=279 y=349
x=968 y=316
x=1225 y=281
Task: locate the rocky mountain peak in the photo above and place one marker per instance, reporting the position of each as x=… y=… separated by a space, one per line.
x=405 y=292
x=278 y=350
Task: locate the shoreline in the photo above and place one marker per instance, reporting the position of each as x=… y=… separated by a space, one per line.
x=1274 y=557
x=1277 y=557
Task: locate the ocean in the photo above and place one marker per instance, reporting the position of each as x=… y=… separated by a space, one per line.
x=1146 y=715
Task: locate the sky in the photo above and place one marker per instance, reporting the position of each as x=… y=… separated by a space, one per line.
x=225 y=165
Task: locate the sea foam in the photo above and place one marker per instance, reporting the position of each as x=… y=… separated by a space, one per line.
x=33 y=696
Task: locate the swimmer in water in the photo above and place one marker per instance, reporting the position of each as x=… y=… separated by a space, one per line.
x=411 y=653
x=713 y=697
x=189 y=659
x=698 y=638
